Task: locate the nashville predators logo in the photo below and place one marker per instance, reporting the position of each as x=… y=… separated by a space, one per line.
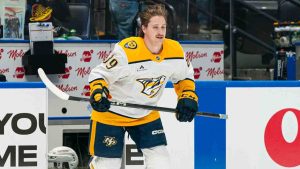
x=131 y=45
x=152 y=85
x=109 y=141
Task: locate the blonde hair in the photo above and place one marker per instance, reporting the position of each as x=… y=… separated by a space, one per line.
x=148 y=13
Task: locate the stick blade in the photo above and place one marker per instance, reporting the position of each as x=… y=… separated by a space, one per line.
x=51 y=86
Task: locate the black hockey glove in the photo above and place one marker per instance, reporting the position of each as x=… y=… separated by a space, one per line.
x=99 y=100
x=187 y=106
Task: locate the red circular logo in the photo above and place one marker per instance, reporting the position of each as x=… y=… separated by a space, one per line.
x=282 y=152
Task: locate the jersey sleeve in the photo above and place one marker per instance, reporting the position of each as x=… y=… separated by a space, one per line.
x=183 y=79
x=114 y=67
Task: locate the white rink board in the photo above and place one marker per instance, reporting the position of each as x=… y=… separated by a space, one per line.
x=24 y=131
x=250 y=111
x=180 y=136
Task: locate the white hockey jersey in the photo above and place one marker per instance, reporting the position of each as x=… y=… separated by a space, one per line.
x=135 y=75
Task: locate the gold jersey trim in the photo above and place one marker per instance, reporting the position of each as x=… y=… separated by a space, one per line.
x=93 y=136
x=183 y=85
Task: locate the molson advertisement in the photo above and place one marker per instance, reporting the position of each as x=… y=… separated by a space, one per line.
x=207 y=60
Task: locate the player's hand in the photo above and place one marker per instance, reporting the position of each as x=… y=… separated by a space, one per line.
x=99 y=100
x=187 y=107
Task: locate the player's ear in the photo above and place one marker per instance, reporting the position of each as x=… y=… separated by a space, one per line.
x=144 y=28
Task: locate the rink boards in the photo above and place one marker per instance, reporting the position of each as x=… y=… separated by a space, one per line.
x=262 y=130
x=23 y=125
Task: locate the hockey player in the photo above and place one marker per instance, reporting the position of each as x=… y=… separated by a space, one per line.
x=137 y=71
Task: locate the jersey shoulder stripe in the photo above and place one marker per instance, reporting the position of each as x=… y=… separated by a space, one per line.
x=136 y=50
x=172 y=49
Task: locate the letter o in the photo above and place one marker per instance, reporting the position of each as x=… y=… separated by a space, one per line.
x=30 y=130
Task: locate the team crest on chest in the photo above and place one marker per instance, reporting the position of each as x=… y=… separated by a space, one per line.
x=131 y=45
x=151 y=86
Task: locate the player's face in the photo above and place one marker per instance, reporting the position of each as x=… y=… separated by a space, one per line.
x=156 y=29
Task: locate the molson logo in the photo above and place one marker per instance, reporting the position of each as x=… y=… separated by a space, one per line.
x=68 y=53
x=214 y=72
x=19 y=73
x=195 y=55
x=197 y=72
x=86 y=90
x=103 y=54
x=83 y=71
x=217 y=57
x=3 y=71
x=14 y=54
x=87 y=56
x=67 y=73
x=67 y=88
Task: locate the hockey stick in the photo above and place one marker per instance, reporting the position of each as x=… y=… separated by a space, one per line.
x=65 y=96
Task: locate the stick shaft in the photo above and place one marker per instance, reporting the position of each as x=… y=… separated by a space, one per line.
x=148 y=107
